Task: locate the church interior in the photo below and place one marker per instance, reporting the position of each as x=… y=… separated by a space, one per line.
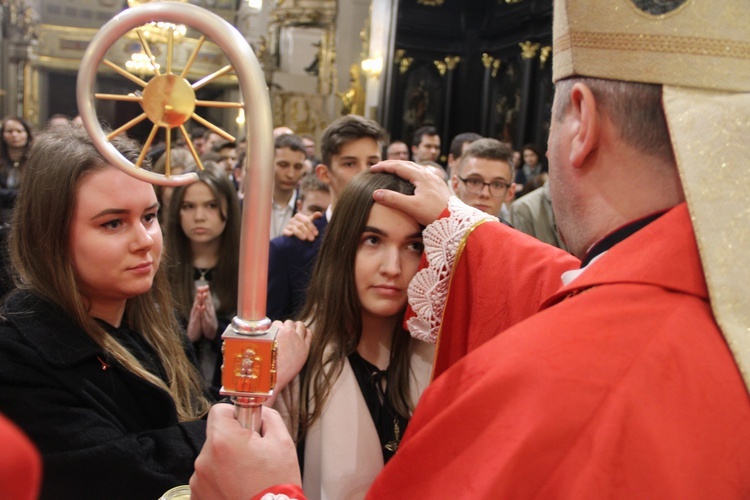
x=458 y=65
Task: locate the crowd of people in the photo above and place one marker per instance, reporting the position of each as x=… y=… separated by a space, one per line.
x=479 y=325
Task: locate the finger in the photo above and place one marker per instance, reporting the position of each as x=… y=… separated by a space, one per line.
x=219 y=412
x=272 y=424
x=393 y=199
x=407 y=170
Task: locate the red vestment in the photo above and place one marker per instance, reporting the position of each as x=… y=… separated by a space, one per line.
x=481 y=307
x=620 y=387
x=20 y=464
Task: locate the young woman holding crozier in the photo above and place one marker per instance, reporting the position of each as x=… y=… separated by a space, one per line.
x=93 y=364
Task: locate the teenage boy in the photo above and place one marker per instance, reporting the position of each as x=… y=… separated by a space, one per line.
x=349 y=146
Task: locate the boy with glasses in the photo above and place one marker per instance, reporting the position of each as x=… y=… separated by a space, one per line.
x=484 y=178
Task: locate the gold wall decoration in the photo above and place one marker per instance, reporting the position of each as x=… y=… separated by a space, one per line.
x=398 y=55
x=431 y=3
x=31 y=93
x=404 y=64
x=487 y=60
x=447 y=64
x=441 y=67
x=327 y=74
x=304 y=13
x=544 y=55
x=452 y=61
x=496 y=67
x=353 y=100
x=23 y=20
x=529 y=49
x=490 y=62
x=304 y=113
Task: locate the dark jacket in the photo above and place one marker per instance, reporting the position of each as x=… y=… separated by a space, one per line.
x=290 y=264
x=102 y=431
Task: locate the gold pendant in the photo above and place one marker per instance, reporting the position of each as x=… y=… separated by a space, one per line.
x=392 y=446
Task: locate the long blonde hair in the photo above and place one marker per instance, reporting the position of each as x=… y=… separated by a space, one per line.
x=40 y=252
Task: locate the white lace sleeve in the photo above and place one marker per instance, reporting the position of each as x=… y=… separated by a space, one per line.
x=275 y=496
x=428 y=289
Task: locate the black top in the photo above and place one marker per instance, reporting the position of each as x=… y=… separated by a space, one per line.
x=373 y=382
x=618 y=235
x=102 y=431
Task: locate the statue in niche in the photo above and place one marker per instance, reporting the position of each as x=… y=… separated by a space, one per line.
x=353 y=100
x=313 y=68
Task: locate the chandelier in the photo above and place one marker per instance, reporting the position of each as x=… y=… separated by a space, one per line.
x=156 y=32
x=141 y=64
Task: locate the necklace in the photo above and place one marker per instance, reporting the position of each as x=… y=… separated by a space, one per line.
x=392 y=445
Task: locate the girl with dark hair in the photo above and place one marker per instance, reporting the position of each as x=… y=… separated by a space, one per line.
x=92 y=363
x=531 y=167
x=203 y=244
x=15 y=140
x=352 y=401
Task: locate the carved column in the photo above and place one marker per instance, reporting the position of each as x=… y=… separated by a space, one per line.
x=528 y=56
x=19 y=34
x=446 y=68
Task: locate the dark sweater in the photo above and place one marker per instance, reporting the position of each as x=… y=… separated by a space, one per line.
x=102 y=431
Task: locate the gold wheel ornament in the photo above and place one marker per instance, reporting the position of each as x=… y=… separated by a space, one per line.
x=168 y=101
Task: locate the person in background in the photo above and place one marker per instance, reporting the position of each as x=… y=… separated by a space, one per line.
x=288 y=168
x=203 y=245
x=457 y=148
x=484 y=176
x=181 y=159
x=314 y=195
x=15 y=142
x=436 y=169
x=228 y=156
x=310 y=148
x=197 y=138
x=532 y=166
x=425 y=145
x=58 y=120
x=283 y=130
x=397 y=150
x=349 y=145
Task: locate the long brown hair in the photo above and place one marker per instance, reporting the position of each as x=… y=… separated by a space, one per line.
x=60 y=159
x=179 y=250
x=333 y=308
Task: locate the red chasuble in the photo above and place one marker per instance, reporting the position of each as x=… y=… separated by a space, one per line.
x=620 y=387
x=501 y=278
x=20 y=464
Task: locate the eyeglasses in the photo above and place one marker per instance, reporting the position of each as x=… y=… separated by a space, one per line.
x=475 y=185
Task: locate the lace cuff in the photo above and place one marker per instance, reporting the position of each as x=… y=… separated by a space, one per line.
x=428 y=289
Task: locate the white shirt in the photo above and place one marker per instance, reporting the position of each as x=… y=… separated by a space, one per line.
x=280 y=215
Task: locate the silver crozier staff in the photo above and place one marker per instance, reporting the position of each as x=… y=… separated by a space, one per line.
x=168 y=100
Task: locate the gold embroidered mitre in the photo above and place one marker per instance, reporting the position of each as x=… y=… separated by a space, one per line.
x=699 y=50
x=692 y=43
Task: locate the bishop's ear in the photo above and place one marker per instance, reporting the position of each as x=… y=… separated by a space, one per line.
x=585 y=116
